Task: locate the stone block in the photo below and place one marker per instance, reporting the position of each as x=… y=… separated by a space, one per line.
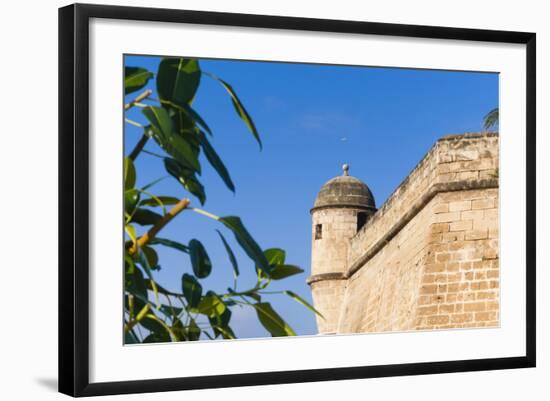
x=459 y=206
x=483 y=203
x=463 y=225
x=475 y=307
x=448 y=217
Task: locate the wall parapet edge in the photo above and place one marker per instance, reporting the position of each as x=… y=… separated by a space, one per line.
x=455 y=163
x=413 y=211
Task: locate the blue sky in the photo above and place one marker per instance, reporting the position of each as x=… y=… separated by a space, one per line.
x=312 y=119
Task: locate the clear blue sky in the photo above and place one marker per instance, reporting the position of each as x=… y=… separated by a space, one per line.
x=312 y=119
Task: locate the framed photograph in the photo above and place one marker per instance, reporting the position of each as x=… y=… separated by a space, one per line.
x=251 y=199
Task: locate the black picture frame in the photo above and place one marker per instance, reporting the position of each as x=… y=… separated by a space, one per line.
x=74 y=198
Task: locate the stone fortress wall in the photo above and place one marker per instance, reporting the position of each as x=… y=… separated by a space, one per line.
x=427 y=259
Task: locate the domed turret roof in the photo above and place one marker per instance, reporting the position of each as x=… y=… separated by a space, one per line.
x=343 y=191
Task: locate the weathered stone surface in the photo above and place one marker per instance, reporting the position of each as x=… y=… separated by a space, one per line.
x=427 y=259
x=345 y=191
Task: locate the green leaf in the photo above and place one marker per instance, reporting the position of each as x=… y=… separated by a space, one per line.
x=191 y=332
x=168 y=139
x=151 y=255
x=186 y=177
x=177 y=329
x=129 y=174
x=220 y=324
x=275 y=256
x=255 y=296
x=165 y=200
x=170 y=311
x=130 y=338
x=135 y=78
x=145 y=217
x=159 y=118
x=160 y=337
x=160 y=332
x=279 y=272
x=134 y=282
x=192 y=290
x=491 y=119
x=218 y=314
x=239 y=108
x=190 y=113
x=146 y=187
x=151 y=324
x=137 y=308
x=178 y=79
x=215 y=161
x=169 y=243
x=144 y=263
x=131 y=231
x=230 y=253
x=245 y=240
x=129 y=264
x=131 y=198
x=199 y=259
x=221 y=320
x=193 y=185
x=226 y=332
x=185 y=126
x=153 y=286
x=271 y=320
x=302 y=301
x=211 y=304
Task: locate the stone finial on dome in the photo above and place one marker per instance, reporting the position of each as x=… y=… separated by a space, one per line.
x=345 y=167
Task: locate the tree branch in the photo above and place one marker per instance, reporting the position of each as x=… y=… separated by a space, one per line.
x=149 y=235
x=138 y=99
x=139 y=147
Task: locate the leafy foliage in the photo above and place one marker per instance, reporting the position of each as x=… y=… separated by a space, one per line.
x=135 y=78
x=192 y=290
x=178 y=80
x=491 y=119
x=152 y=312
x=239 y=108
x=272 y=321
x=230 y=254
x=186 y=177
x=199 y=259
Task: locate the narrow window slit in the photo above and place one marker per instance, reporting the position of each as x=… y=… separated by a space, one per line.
x=318 y=231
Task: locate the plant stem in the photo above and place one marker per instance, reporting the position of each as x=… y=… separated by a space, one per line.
x=238 y=294
x=149 y=235
x=139 y=316
x=139 y=147
x=205 y=213
x=153 y=154
x=136 y=124
x=138 y=99
x=243 y=303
